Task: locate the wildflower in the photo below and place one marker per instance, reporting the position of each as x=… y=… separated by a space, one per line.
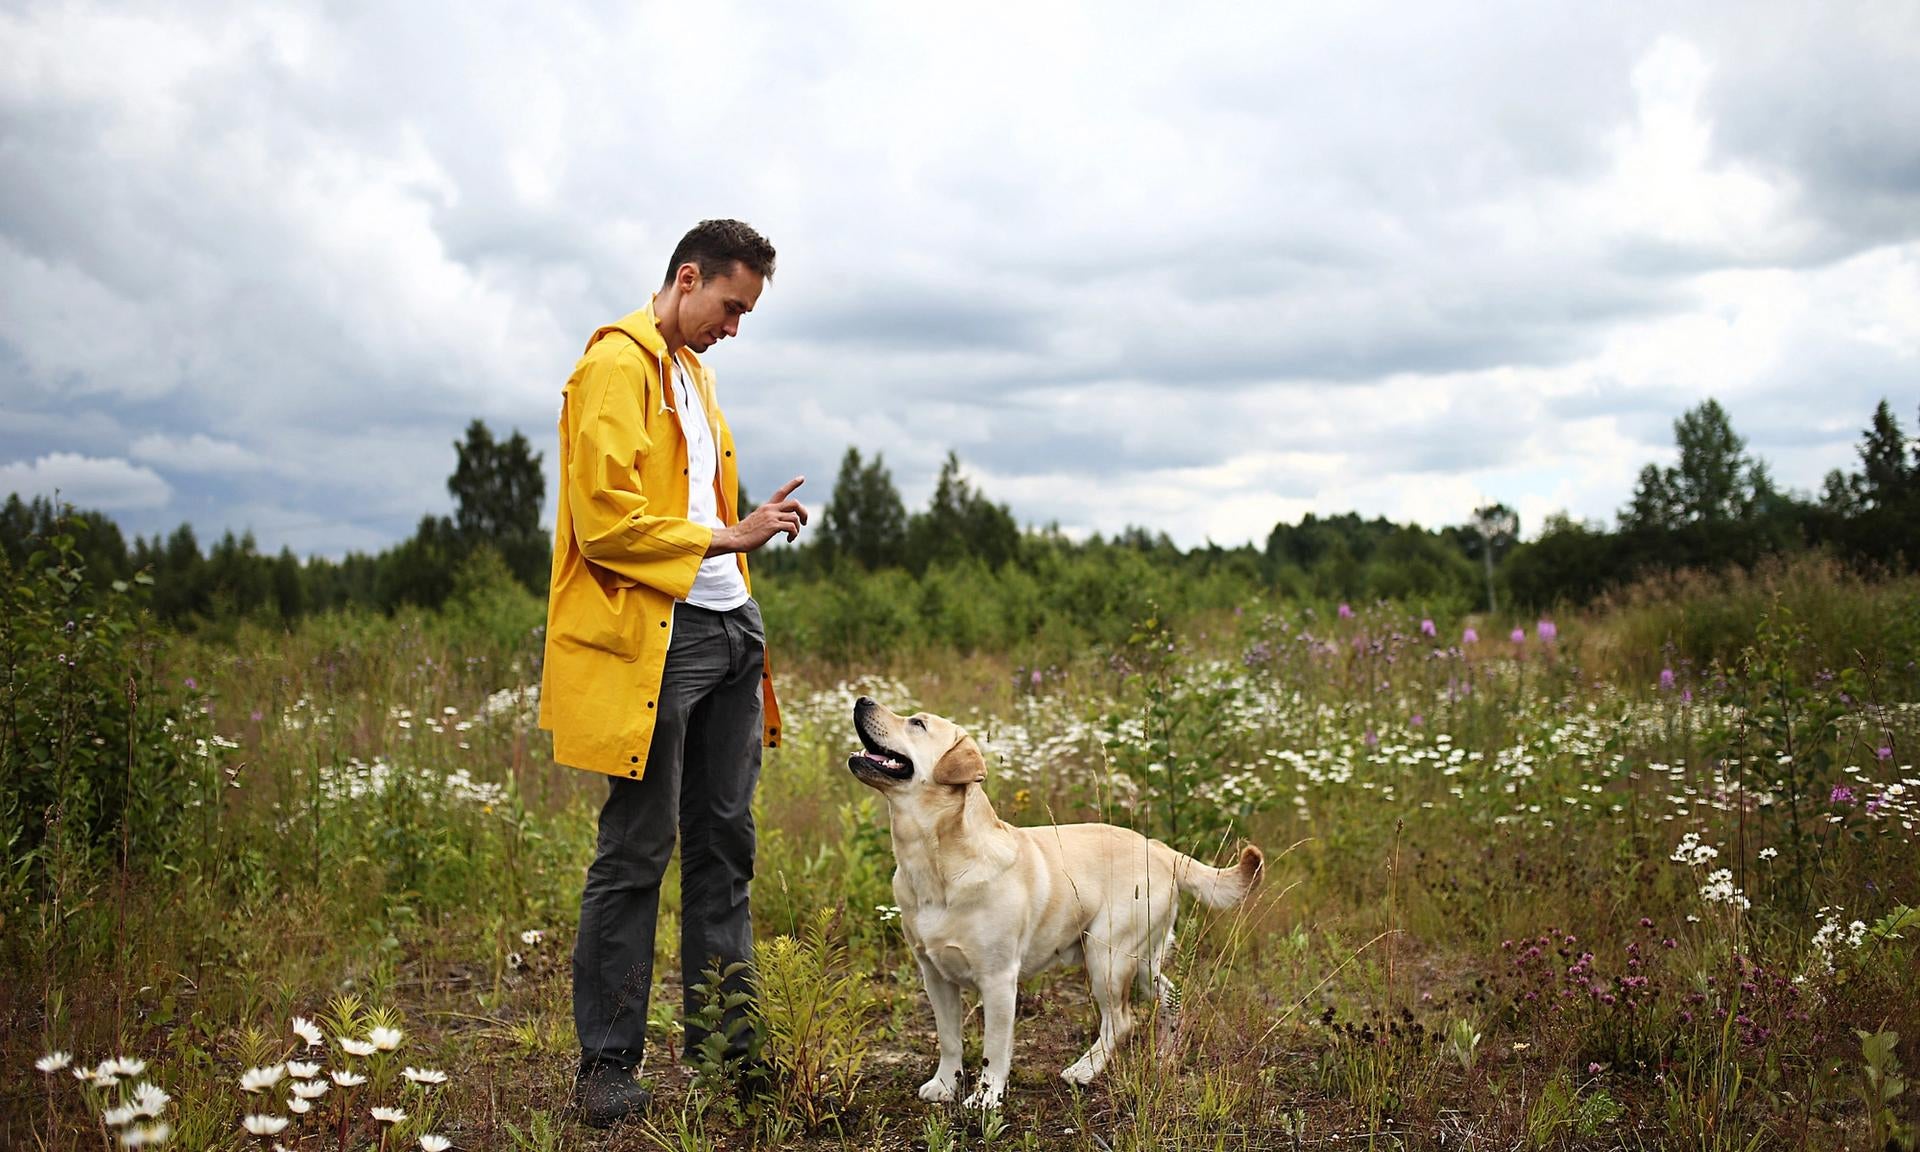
x=307 y=1030
x=385 y=1039
x=1346 y=613
x=1666 y=679
x=1519 y=636
x=53 y=1061
x=193 y=684
x=310 y=1089
x=148 y=1100
x=1841 y=795
x=1593 y=1068
x=1883 y=753
x=426 y=1075
x=1469 y=637
x=431 y=1143
x=255 y=1079
x=1686 y=695
x=1769 y=853
x=142 y=1135
x=514 y=960
x=115 y=1117
x=347 y=1079
x=1417 y=720
x=1546 y=630
x=264 y=1125
x=356 y=1047
x=1427 y=628
x=127 y=1066
x=298 y=1105
x=1370 y=739
x=532 y=936
x=389 y=1115
x=303 y=1071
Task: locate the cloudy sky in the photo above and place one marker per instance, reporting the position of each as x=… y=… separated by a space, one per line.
x=261 y=264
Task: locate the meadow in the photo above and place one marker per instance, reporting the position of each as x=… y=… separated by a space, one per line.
x=1638 y=876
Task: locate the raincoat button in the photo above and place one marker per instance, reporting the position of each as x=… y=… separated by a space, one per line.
x=663 y=623
x=633 y=759
x=649 y=703
x=635 y=775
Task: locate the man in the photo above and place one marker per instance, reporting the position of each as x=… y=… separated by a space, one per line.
x=656 y=671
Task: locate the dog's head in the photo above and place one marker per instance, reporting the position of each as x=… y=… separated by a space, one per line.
x=911 y=752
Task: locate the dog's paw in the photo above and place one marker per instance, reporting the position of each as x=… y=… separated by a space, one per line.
x=986 y=1096
x=1080 y=1072
x=937 y=1091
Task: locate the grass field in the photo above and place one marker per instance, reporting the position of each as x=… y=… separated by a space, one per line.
x=1574 y=886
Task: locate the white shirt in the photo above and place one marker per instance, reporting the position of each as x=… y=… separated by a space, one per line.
x=719 y=586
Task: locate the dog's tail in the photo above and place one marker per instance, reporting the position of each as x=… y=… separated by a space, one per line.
x=1219 y=887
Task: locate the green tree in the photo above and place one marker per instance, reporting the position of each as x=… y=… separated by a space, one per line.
x=1488 y=536
x=1887 y=476
x=498 y=488
x=960 y=523
x=865 y=522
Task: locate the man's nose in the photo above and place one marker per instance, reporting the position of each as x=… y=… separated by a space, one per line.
x=732 y=326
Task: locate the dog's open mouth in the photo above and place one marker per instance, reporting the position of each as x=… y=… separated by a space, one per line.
x=875 y=756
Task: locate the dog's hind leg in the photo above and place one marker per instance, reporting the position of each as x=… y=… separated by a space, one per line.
x=1168 y=996
x=947 y=1017
x=1112 y=975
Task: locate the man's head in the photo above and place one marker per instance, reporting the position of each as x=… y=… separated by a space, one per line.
x=713 y=279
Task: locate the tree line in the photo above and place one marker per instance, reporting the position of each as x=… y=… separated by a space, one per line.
x=1716 y=506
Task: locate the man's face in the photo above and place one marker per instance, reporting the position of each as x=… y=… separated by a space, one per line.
x=711 y=306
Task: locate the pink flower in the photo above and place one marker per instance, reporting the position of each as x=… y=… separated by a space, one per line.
x=1519 y=636
x=1884 y=752
x=1427 y=628
x=1346 y=613
x=1666 y=679
x=1547 y=630
x=1841 y=795
x=1469 y=637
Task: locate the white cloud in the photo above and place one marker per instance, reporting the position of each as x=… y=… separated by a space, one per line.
x=196 y=453
x=113 y=485
x=1265 y=259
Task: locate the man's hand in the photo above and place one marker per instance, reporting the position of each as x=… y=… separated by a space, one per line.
x=781 y=514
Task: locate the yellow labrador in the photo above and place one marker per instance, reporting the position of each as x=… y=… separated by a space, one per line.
x=985 y=904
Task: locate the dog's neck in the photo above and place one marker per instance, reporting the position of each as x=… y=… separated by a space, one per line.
x=959 y=842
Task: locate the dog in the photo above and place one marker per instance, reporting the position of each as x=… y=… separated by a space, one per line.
x=985 y=904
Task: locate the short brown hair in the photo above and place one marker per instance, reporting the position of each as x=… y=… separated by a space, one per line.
x=715 y=246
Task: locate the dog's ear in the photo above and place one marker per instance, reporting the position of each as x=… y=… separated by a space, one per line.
x=962 y=765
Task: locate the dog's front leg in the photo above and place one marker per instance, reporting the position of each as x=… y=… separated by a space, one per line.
x=997 y=997
x=945 y=997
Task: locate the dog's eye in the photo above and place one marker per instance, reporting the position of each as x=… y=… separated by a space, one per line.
x=917 y=722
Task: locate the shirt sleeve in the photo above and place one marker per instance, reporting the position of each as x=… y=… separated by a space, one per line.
x=611 y=519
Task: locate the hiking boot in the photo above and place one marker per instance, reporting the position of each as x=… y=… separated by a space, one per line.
x=606 y=1094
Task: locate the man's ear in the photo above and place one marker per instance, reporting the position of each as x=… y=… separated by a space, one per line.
x=962 y=765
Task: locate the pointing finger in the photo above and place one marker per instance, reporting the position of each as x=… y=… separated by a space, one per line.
x=786 y=490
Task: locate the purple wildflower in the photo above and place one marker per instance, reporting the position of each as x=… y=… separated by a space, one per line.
x=1547 y=630
x=1470 y=637
x=1370 y=739
x=1519 y=636
x=1686 y=695
x=1883 y=753
x=1666 y=679
x=1418 y=720
x=1346 y=613
x=1427 y=628
x=1841 y=795
x=193 y=684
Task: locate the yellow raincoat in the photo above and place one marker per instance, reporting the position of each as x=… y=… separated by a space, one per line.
x=623 y=549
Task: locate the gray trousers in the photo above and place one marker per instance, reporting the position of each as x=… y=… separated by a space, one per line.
x=699 y=780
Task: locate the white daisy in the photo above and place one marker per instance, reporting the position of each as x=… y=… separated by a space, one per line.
x=257 y=1079
x=297 y=1106
x=386 y=1039
x=53 y=1061
x=307 y=1030
x=265 y=1125
x=389 y=1115
x=532 y=936
x=114 y=1117
x=347 y=1079
x=426 y=1075
x=431 y=1143
x=356 y=1047
x=148 y=1099
x=144 y=1135
x=303 y=1070
x=127 y=1066
x=310 y=1089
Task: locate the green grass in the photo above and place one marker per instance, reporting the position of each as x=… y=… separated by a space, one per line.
x=1474 y=925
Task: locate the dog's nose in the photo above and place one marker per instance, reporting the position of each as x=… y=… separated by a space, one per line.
x=864 y=702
